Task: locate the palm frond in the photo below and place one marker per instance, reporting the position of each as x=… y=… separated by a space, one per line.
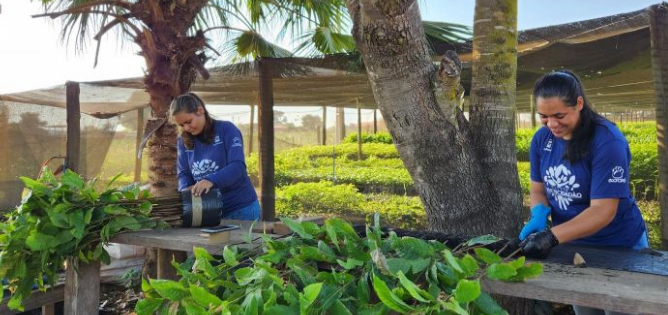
x=446 y=32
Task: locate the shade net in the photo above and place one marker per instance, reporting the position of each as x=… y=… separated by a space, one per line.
x=31 y=134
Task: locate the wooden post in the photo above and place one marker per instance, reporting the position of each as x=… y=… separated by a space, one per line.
x=82 y=287
x=375 y=121
x=340 y=124
x=82 y=281
x=659 y=52
x=532 y=105
x=165 y=268
x=266 y=137
x=324 y=126
x=140 y=133
x=359 y=130
x=252 y=123
x=73 y=145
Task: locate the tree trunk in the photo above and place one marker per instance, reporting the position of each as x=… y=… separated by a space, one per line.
x=659 y=41
x=173 y=58
x=492 y=115
x=421 y=110
x=492 y=111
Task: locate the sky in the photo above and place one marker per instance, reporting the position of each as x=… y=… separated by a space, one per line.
x=32 y=56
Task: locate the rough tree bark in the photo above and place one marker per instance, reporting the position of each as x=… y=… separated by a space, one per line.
x=439 y=146
x=172 y=60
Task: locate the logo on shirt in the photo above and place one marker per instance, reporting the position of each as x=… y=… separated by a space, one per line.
x=560 y=183
x=203 y=167
x=617 y=175
x=216 y=139
x=236 y=142
x=548 y=145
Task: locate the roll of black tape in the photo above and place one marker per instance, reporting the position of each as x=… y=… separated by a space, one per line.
x=200 y=211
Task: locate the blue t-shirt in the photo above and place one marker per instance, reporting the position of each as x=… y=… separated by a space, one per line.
x=603 y=173
x=220 y=162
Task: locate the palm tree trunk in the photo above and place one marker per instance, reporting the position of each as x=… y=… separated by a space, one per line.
x=492 y=111
x=428 y=128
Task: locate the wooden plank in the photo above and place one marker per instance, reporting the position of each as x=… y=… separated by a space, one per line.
x=37 y=299
x=619 y=291
x=652 y=262
x=181 y=239
x=82 y=288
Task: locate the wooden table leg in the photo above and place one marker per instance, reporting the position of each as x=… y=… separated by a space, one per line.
x=82 y=288
x=165 y=269
x=49 y=309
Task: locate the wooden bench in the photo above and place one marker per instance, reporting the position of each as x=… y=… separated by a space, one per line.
x=45 y=300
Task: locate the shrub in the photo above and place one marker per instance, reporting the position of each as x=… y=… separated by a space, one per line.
x=325 y=198
x=381 y=137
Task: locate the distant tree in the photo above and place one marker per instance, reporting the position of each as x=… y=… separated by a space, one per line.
x=311 y=121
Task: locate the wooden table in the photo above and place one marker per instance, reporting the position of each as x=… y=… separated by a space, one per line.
x=621 y=291
x=175 y=242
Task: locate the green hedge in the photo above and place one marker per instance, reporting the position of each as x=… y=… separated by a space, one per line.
x=325 y=198
x=381 y=164
x=381 y=137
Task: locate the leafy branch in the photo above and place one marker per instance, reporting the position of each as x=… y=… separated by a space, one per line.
x=331 y=269
x=62 y=218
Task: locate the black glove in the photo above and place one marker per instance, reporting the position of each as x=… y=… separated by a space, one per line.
x=539 y=245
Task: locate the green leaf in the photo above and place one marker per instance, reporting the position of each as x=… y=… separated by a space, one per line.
x=482 y=240
x=331 y=233
x=399 y=265
x=362 y=289
x=311 y=291
x=169 y=289
x=280 y=310
x=297 y=228
x=517 y=263
x=452 y=261
x=148 y=306
x=230 y=257
x=529 y=271
x=388 y=298
x=350 y=263
x=487 y=256
x=338 y=308
x=470 y=265
x=72 y=180
x=413 y=289
x=499 y=271
x=204 y=297
x=194 y=309
x=37 y=188
x=453 y=306
x=37 y=241
x=467 y=291
x=488 y=306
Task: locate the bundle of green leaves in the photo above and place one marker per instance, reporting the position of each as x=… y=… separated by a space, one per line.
x=62 y=218
x=331 y=269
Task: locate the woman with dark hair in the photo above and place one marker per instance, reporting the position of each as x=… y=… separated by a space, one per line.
x=211 y=154
x=579 y=176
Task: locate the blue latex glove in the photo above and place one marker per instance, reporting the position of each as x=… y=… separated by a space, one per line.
x=537 y=222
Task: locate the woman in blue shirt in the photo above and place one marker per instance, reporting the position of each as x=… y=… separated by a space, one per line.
x=211 y=154
x=579 y=176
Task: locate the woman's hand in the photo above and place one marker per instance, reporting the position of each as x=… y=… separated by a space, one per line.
x=202 y=187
